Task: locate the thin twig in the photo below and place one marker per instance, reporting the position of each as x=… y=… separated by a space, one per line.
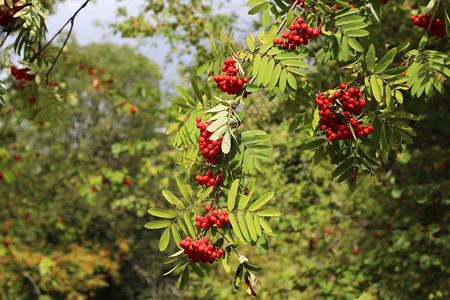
x=4 y=39
x=64 y=26
x=33 y=282
x=71 y=22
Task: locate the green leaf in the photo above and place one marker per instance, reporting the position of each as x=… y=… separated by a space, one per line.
x=254 y=2
x=250 y=44
x=256 y=63
x=226 y=143
x=354 y=26
x=345 y=165
x=313 y=144
x=370 y=59
x=217 y=124
x=197 y=269
x=295 y=63
x=251 y=226
x=184 y=279
x=265 y=225
x=389 y=99
x=289 y=17
x=257 y=225
x=261 y=201
x=188 y=222
x=292 y=81
x=385 y=61
x=172 y=199
x=158 y=224
x=357 y=33
x=219 y=132
x=176 y=235
x=213 y=46
x=232 y=194
x=243 y=226
x=355 y=45
x=217 y=108
x=183 y=189
x=268 y=72
x=376 y=85
x=282 y=81
x=265 y=18
x=423 y=41
x=268 y=213
x=185 y=96
x=259 y=8
x=275 y=76
x=164 y=240
x=348 y=20
x=162 y=213
x=236 y=229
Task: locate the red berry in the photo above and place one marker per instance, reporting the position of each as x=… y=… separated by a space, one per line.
x=208 y=207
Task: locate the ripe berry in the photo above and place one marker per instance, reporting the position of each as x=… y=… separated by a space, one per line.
x=208 y=207
x=345 y=103
x=230 y=83
x=356 y=252
x=126 y=181
x=6 y=243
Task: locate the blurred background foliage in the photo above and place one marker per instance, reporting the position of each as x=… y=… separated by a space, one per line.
x=76 y=183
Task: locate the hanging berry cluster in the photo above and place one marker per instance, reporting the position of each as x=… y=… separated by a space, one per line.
x=437 y=27
x=209 y=179
x=7 y=13
x=299 y=33
x=21 y=74
x=212 y=218
x=349 y=104
x=201 y=250
x=210 y=150
x=230 y=83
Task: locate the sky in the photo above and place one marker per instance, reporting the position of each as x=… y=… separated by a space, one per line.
x=91 y=25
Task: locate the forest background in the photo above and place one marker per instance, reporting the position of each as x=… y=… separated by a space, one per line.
x=83 y=158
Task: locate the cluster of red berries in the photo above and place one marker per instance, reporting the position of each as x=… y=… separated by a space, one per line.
x=349 y=103
x=299 y=33
x=212 y=218
x=7 y=13
x=209 y=179
x=21 y=73
x=210 y=150
x=437 y=27
x=230 y=83
x=201 y=250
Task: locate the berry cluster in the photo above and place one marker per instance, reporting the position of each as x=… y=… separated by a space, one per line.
x=437 y=27
x=201 y=250
x=299 y=33
x=210 y=150
x=345 y=103
x=212 y=218
x=7 y=13
x=209 y=179
x=21 y=73
x=230 y=83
